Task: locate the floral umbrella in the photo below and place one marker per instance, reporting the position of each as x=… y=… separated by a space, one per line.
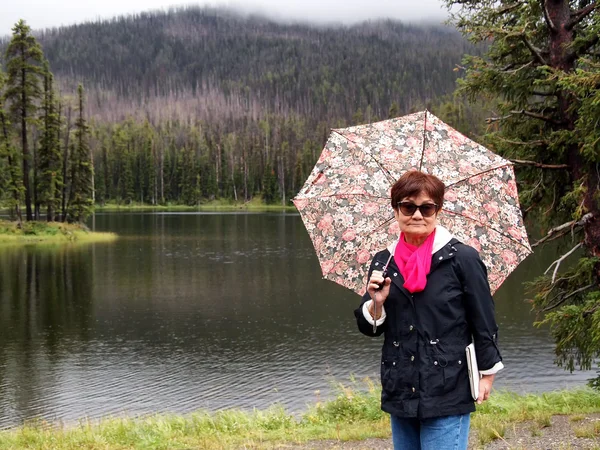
x=345 y=202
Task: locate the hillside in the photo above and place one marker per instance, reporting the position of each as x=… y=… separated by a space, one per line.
x=214 y=62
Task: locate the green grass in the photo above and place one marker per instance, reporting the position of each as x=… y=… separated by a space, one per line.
x=48 y=233
x=353 y=414
x=590 y=431
x=255 y=204
x=504 y=409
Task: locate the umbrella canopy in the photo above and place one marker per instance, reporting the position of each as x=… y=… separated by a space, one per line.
x=345 y=202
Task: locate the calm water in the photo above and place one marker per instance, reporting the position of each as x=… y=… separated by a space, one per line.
x=190 y=311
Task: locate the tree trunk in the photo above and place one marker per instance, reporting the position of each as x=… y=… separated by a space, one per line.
x=66 y=165
x=245 y=179
x=28 y=213
x=233 y=176
x=36 y=199
x=282 y=178
x=562 y=58
x=13 y=179
x=162 y=176
x=106 y=174
x=154 y=174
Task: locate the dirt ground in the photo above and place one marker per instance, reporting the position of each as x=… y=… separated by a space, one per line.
x=559 y=434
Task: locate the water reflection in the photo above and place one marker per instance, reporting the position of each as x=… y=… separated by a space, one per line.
x=45 y=310
x=188 y=311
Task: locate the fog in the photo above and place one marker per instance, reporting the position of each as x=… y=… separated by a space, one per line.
x=52 y=13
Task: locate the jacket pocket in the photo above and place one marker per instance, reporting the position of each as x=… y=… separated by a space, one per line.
x=444 y=373
x=455 y=372
x=392 y=376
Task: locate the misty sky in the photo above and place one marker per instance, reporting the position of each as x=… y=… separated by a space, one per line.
x=49 y=13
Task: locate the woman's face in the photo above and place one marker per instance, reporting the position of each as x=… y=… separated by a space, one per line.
x=416 y=227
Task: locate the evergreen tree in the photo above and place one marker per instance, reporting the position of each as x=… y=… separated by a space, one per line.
x=80 y=198
x=50 y=176
x=543 y=66
x=24 y=58
x=14 y=182
x=270 y=189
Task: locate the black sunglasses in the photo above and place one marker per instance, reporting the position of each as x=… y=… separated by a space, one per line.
x=426 y=209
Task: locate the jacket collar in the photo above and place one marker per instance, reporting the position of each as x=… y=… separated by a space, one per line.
x=443 y=249
x=442 y=237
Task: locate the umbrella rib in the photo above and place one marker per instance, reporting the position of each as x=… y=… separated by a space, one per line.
x=477 y=174
x=384 y=223
x=385 y=171
x=423 y=150
x=490 y=227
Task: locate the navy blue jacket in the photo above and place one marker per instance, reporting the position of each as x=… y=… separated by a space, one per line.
x=423 y=368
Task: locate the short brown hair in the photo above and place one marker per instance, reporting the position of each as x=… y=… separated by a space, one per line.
x=412 y=183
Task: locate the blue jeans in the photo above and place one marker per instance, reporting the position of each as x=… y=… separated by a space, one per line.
x=439 y=433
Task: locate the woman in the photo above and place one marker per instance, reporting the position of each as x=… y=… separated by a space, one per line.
x=433 y=302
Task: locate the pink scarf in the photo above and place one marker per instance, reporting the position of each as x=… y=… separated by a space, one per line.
x=414 y=262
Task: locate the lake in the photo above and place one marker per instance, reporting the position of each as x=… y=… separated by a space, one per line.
x=189 y=311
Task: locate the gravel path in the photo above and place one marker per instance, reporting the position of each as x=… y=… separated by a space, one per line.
x=559 y=434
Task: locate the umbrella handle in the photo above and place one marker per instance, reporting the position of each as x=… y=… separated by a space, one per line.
x=383 y=274
x=374 y=316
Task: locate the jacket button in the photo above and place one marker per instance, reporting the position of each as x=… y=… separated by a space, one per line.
x=435 y=363
x=411 y=328
x=412 y=358
x=376 y=263
x=459 y=361
x=441 y=257
x=396 y=344
x=394 y=363
x=413 y=389
x=395 y=274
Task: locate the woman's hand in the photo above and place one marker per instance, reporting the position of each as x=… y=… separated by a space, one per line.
x=485 y=388
x=378 y=295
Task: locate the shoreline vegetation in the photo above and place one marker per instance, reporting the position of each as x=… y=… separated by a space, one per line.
x=352 y=415
x=39 y=232
x=256 y=205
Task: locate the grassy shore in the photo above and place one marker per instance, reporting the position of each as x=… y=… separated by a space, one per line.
x=353 y=415
x=255 y=204
x=48 y=233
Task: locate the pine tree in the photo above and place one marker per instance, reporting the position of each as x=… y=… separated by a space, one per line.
x=7 y=151
x=80 y=198
x=543 y=67
x=50 y=176
x=24 y=58
x=270 y=187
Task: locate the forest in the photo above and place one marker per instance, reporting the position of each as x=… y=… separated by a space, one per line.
x=193 y=104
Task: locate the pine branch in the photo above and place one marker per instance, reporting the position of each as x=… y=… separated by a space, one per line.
x=560 y=260
x=536 y=115
x=509 y=67
x=539 y=165
x=507 y=8
x=534 y=50
x=566 y=297
x=543 y=94
x=533 y=143
x=547 y=17
x=589 y=312
x=564 y=228
x=587 y=45
x=497 y=119
x=578 y=16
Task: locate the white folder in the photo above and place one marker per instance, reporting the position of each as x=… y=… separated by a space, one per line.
x=473 y=370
